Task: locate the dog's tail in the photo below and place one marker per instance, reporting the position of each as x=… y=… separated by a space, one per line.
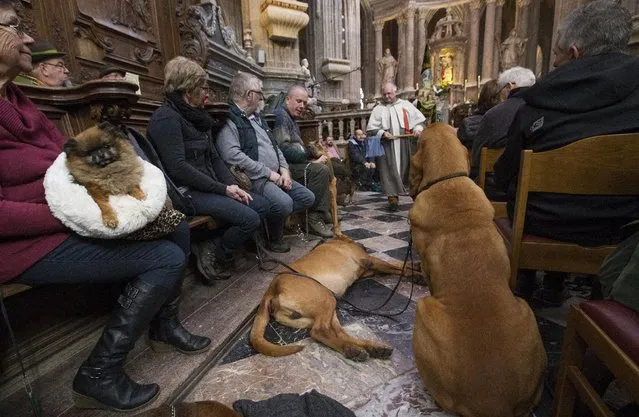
x=258 y=341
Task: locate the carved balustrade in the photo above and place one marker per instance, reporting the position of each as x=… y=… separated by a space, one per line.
x=342 y=125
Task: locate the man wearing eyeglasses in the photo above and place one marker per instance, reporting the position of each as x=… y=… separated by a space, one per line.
x=49 y=69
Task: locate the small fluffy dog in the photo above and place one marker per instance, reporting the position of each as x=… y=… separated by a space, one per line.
x=105 y=163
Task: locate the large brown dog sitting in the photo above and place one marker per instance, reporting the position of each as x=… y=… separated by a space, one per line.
x=476 y=345
x=305 y=303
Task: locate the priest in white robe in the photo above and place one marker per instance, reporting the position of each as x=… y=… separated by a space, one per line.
x=392 y=118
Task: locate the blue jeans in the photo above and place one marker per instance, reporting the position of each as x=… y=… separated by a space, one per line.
x=84 y=260
x=243 y=220
x=282 y=203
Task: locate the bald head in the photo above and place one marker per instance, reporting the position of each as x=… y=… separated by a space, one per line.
x=389 y=93
x=296 y=98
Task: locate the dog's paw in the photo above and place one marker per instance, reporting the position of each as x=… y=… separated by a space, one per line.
x=110 y=221
x=380 y=351
x=138 y=194
x=355 y=353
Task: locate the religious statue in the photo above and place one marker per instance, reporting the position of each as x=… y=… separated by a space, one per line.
x=311 y=87
x=446 y=68
x=511 y=49
x=387 y=67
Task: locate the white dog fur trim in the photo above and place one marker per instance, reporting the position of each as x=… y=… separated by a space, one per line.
x=73 y=206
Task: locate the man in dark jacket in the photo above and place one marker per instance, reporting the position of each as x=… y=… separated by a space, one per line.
x=247 y=142
x=313 y=173
x=362 y=168
x=595 y=91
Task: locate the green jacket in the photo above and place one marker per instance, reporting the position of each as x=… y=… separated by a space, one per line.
x=28 y=80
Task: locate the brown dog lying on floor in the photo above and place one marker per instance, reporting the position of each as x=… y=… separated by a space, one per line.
x=196 y=409
x=476 y=345
x=305 y=303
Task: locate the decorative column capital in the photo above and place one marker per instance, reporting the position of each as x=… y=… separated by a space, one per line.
x=402 y=19
x=378 y=25
x=490 y=1
x=500 y=3
x=283 y=19
x=423 y=13
x=475 y=4
x=523 y=3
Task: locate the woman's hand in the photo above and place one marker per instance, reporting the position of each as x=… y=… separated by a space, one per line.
x=236 y=193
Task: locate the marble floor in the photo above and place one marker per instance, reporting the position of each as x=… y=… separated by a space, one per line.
x=373 y=388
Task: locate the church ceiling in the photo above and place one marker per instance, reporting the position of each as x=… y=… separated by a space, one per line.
x=389 y=8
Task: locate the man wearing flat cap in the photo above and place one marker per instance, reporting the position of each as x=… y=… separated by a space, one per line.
x=49 y=69
x=111 y=72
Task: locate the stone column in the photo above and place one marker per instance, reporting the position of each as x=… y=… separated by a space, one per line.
x=489 y=41
x=379 y=27
x=400 y=79
x=533 y=36
x=499 y=8
x=521 y=23
x=409 y=82
x=473 y=54
x=421 y=44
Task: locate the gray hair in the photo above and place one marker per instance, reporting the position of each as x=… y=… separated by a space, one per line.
x=596 y=28
x=521 y=76
x=183 y=75
x=241 y=84
x=390 y=85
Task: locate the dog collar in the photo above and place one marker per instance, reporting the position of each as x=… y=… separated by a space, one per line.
x=440 y=179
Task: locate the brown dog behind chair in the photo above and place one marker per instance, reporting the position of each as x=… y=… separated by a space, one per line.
x=476 y=345
x=194 y=409
x=316 y=150
x=105 y=163
x=306 y=303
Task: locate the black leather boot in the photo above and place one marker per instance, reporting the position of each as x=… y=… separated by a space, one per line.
x=101 y=381
x=167 y=333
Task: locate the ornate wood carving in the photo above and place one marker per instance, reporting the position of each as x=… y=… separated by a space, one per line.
x=89 y=33
x=26 y=18
x=134 y=14
x=147 y=55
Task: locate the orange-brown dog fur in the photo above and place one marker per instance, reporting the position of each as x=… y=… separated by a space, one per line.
x=122 y=176
x=194 y=409
x=306 y=304
x=476 y=345
x=318 y=150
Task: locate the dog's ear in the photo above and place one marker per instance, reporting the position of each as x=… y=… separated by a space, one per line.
x=71 y=146
x=108 y=127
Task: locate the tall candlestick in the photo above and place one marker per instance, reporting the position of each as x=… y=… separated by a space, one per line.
x=478 y=86
x=465 y=83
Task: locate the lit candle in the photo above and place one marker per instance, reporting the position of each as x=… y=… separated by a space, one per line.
x=478 y=86
x=465 y=83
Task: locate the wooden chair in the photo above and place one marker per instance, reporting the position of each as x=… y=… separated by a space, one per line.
x=600 y=165
x=611 y=330
x=487 y=160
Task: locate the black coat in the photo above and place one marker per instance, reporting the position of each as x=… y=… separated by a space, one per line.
x=595 y=95
x=187 y=154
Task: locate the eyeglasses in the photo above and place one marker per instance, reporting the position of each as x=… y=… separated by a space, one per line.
x=59 y=64
x=259 y=93
x=17 y=27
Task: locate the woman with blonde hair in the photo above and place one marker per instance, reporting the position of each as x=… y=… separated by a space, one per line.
x=180 y=130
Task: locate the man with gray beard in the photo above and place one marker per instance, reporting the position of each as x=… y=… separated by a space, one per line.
x=247 y=142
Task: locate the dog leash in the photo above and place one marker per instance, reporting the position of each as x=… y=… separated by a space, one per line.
x=264 y=258
x=33 y=404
